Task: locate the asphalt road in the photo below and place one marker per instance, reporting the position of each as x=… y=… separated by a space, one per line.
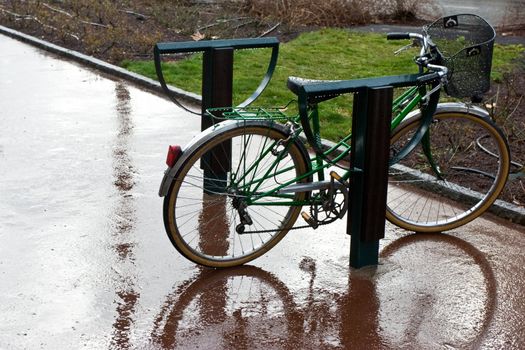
x=496 y=12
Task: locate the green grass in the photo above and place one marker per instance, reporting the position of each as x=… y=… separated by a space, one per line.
x=504 y=59
x=325 y=54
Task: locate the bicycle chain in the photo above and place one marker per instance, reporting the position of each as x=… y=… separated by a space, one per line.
x=319 y=223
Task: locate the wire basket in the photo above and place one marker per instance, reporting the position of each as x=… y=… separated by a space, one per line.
x=466 y=43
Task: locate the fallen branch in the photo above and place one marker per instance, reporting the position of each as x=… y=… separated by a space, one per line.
x=33 y=18
x=243 y=24
x=16 y=15
x=270 y=30
x=207 y=26
x=95 y=24
x=57 y=10
x=137 y=15
x=515 y=108
x=221 y=21
x=65 y=13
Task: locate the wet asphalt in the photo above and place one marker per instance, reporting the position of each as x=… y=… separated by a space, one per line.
x=500 y=12
x=85 y=261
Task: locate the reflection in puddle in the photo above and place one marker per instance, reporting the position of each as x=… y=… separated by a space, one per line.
x=243 y=307
x=440 y=293
x=247 y=307
x=383 y=307
x=213 y=228
x=123 y=221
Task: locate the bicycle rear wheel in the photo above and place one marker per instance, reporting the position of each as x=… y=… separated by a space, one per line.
x=208 y=214
x=453 y=180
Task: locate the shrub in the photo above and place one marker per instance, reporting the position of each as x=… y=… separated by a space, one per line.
x=311 y=13
x=339 y=13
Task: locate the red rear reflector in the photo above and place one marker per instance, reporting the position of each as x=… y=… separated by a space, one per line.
x=174 y=153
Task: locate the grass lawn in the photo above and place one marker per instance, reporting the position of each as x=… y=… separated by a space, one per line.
x=325 y=54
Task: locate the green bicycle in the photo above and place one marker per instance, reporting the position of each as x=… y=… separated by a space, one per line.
x=240 y=186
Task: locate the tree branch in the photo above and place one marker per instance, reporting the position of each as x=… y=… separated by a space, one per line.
x=270 y=30
x=65 y=13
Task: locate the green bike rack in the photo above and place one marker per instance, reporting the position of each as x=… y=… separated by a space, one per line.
x=369 y=160
x=217 y=67
x=217 y=90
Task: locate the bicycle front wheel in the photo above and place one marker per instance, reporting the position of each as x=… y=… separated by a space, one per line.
x=451 y=177
x=218 y=211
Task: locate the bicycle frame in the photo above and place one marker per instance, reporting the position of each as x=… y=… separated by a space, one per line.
x=402 y=106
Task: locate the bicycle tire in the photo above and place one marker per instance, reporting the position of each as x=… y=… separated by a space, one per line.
x=471 y=179
x=202 y=224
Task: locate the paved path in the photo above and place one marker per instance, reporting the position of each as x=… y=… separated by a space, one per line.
x=85 y=263
x=499 y=12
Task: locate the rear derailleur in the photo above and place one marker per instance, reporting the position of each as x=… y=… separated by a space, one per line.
x=239 y=204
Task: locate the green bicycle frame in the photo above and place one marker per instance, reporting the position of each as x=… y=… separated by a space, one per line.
x=401 y=107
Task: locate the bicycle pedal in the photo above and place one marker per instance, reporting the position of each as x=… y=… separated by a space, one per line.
x=337 y=177
x=309 y=220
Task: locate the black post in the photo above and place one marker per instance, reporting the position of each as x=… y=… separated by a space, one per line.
x=369 y=165
x=217 y=90
x=217 y=81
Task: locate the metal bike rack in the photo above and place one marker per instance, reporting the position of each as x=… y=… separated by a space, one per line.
x=217 y=90
x=217 y=68
x=369 y=160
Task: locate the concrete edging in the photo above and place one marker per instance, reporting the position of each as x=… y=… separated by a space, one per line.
x=500 y=208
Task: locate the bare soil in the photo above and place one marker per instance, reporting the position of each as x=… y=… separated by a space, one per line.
x=114 y=31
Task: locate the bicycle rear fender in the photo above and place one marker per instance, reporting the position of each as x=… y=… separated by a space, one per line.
x=210 y=133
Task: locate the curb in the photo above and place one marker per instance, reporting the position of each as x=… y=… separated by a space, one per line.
x=508 y=211
x=500 y=208
x=100 y=65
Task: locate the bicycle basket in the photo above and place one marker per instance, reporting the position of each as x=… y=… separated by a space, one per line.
x=465 y=43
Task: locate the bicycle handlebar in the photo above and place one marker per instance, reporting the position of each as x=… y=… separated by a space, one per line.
x=422 y=40
x=398 y=36
x=427 y=48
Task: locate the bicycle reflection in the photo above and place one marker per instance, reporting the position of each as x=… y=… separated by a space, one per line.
x=213 y=227
x=446 y=294
x=247 y=307
x=229 y=309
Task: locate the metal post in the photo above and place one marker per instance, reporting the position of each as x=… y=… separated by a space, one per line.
x=217 y=81
x=369 y=165
x=217 y=90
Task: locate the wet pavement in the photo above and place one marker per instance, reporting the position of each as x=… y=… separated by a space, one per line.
x=85 y=261
x=497 y=13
